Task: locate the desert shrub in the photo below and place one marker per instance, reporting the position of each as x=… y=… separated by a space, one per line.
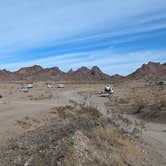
x=90 y=111
x=78 y=135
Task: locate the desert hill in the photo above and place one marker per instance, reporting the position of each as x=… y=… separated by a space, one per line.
x=150 y=71
x=38 y=73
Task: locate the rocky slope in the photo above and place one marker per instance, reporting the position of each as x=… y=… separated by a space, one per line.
x=37 y=73
x=150 y=71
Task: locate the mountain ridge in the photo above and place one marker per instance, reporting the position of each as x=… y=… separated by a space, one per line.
x=38 y=73
x=149 y=71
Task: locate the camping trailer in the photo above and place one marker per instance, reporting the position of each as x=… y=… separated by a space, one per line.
x=161 y=82
x=27 y=86
x=30 y=85
x=107 y=91
x=25 y=89
x=108 y=88
x=60 y=86
x=49 y=86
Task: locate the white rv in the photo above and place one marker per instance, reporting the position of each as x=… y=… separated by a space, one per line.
x=27 y=86
x=108 y=88
x=49 y=86
x=25 y=89
x=60 y=86
x=107 y=91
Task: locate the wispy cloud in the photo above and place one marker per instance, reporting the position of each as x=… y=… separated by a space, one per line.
x=110 y=62
x=49 y=32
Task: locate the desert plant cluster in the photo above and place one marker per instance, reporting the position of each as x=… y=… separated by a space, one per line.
x=77 y=136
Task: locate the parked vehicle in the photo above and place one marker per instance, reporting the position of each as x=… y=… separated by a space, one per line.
x=161 y=83
x=108 y=88
x=27 y=86
x=25 y=89
x=30 y=85
x=60 y=86
x=49 y=86
x=107 y=91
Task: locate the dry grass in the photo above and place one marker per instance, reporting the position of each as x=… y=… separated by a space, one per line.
x=114 y=139
x=74 y=136
x=142 y=99
x=105 y=143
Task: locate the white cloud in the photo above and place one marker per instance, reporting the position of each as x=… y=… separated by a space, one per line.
x=33 y=23
x=27 y=25
x=110 y=63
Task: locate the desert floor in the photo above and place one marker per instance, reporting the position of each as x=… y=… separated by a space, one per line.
x=21 y=112
x=17 y=106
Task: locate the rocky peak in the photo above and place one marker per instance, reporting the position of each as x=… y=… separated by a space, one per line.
x=96 y=69
x=149 y=71
x=70 y=71
x=32 y=69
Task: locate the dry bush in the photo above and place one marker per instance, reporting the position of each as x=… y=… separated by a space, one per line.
x=90 y=111
x=143 y=96
x=147 y=102
x=117 y=140
x=103 y=140
x=108 y=134
x=75 y=136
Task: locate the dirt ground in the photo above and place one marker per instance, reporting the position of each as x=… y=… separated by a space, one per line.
x=17 y=106
x=22 y=112
x=146 y=104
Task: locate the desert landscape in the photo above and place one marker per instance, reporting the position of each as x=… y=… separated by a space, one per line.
x=74 y=126
x=83 y=83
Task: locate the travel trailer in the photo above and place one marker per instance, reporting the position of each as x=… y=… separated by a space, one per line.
x=49 y=86
x=108 y=88
x=25 y=89
x=27 y=86
x=60 y=86
x=107 y=91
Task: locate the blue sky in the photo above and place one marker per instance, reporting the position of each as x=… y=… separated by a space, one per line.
x=118 y=36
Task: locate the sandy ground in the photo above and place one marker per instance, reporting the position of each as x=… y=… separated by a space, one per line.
x=20 y=112
x=16 y=106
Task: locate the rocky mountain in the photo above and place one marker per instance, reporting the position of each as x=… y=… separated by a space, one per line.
x=86 y=74
x=150 y=71
x=38 y=73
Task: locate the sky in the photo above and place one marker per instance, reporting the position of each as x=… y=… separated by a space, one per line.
x=118 y=36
